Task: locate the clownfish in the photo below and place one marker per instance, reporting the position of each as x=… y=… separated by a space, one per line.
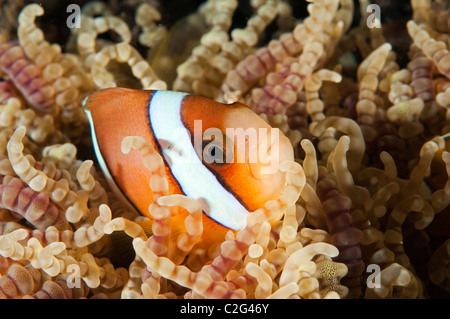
x=213 y=152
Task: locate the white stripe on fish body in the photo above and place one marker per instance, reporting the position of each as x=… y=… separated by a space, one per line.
x=194 y=178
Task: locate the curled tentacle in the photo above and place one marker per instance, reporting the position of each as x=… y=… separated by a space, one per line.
x=27 y=77
x=35 y=207
x=59 y=191
x=20 y=281
x=159 y=241
x=344 y=235
x=233 y=250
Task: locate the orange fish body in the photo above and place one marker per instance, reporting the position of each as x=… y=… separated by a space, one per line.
x=201 y=159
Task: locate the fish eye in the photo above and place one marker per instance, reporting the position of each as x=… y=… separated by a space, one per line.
x=213 y=152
